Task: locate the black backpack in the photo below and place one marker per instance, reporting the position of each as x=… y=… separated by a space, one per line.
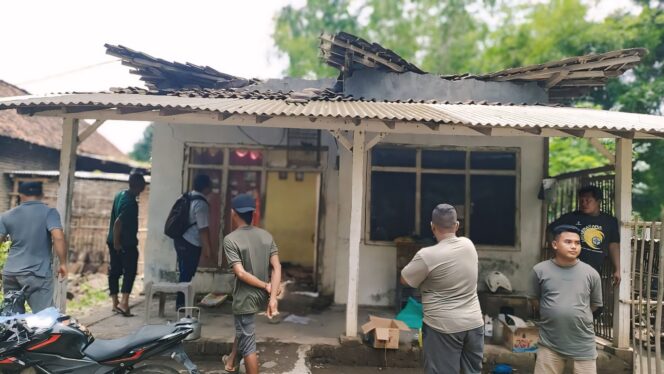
x=177 y=222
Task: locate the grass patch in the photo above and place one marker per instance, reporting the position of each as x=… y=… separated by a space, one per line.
x=85 y=298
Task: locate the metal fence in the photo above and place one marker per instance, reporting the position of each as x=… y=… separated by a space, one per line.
x=647 y=292
x=563 y=200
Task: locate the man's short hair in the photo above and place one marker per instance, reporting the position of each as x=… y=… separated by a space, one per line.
x=31 y=188
x=595 y=191
x=247 y=217
x=444 y=216
x=136 y=179
x=201 y=182
x=565 y=228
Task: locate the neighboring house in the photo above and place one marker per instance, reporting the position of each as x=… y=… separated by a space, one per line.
x=33 y=143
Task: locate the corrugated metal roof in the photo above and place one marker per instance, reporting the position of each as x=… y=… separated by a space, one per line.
x=115 y=177
x=501 y=116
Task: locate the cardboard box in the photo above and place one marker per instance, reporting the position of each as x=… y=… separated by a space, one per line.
x=384 y=332
x=520 y=339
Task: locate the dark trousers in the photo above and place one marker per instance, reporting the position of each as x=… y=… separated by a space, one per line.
x=123 y=264
x=459 y=352
x=188 y=256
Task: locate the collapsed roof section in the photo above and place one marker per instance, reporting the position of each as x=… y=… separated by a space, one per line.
x=563 y=80
x=348 y=53
x=162 y=75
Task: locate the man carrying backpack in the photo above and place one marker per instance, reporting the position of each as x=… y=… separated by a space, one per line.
x=196 y=236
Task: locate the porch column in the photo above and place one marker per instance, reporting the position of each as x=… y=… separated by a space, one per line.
x=65 y=193
x=356 y=204
x=623 y=204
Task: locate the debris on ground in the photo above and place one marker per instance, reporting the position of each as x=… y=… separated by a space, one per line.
x=297 y=319
x=213 y=299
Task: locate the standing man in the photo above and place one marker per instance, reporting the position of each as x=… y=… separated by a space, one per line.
x=122 y=243
x=600 y=236
x=196 y=239
x=567 y=293
x=33 y=229
x=446 y=274
x=251 y=253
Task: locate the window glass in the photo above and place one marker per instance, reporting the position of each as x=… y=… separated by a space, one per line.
x=393 y=156
x=206 y=156
x=493 y=209
x=438 y=189
x=443 y=159
x=493 y=160
x=392 y=205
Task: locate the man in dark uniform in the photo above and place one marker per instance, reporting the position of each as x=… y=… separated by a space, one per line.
x=600 y=235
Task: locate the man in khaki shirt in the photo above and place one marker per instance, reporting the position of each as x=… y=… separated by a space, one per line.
x=446 y=274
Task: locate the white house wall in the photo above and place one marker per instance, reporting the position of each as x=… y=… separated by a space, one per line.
x=378 y=262
x=167 y=183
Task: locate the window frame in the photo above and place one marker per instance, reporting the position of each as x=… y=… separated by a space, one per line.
x=467 y=171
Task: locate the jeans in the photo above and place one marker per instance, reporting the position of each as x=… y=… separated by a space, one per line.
x=188 y=256
x=123 y=264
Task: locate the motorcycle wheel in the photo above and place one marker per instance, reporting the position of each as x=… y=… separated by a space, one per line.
x=154 y=369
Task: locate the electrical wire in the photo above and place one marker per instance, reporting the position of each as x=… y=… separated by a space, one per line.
x=87 y=67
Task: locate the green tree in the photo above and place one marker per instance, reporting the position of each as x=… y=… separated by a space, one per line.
x=143 y=148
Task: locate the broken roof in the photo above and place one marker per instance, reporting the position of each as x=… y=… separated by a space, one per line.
x=563 y=79
x=47 y=132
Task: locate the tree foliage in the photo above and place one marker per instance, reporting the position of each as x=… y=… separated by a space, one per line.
x=448 y=37
x=143 y=148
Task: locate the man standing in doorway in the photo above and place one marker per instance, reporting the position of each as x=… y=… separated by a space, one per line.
x=446 y=274
x=254 y=258
x=33 y=229
x=122 y=243
x=196 y=240
x=600 y=236
x=567 y=293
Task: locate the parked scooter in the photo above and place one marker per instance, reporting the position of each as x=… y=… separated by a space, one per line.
x=49 y=342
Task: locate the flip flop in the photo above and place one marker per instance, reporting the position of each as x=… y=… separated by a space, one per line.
x=125 y=313
x=224 y=360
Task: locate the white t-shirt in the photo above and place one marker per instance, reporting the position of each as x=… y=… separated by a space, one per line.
x=199 y=213
x=446 y=275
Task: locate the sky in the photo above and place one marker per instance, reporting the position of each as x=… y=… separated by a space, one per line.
x=58 y=46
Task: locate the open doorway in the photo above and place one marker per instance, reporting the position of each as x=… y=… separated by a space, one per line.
x=291 y=216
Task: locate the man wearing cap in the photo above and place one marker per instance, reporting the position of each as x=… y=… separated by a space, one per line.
x=254 y=259
x=122 y=243
x=33 y=229
x=196 y=240
x=567 y=292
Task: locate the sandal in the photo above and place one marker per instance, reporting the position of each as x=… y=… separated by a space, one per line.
x=124 y=313
x=224 y=360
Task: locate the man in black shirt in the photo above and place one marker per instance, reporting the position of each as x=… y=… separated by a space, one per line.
x=600 y=235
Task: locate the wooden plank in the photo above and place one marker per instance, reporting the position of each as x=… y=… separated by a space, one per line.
x=588 y=66
x=64 y=202
x=356 y=206
x=376 y=139
x=603 y=150
x=556 y=78
x=133 y=109
x=575 y=133
x=623 y=203
x=69 y=109
x=166 y=112
x=89 y=130
x=341 y=138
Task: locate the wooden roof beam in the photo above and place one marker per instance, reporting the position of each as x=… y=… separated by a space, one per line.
x=81 y=108
x=572 y=68
x=555 y=79
x=89 y=130
x=132 y=109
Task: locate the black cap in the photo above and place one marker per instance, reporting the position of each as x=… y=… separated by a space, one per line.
x=565 y=228
x=243 y=203
x=30 y=188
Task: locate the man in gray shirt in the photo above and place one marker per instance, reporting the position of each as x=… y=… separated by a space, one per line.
x=33 y=229
x=446 y=274
x=567 y=292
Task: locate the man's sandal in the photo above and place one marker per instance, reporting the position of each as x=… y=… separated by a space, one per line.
x=224 y=360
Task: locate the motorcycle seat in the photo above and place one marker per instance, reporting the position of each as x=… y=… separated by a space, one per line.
x=106 y=350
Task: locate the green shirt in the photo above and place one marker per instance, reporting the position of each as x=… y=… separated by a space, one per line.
x=125 y=207
x=253 y=247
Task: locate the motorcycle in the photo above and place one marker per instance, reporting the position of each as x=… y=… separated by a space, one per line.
x=49 y=342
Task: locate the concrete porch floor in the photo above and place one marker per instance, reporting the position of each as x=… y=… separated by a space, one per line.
x=284 y=346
